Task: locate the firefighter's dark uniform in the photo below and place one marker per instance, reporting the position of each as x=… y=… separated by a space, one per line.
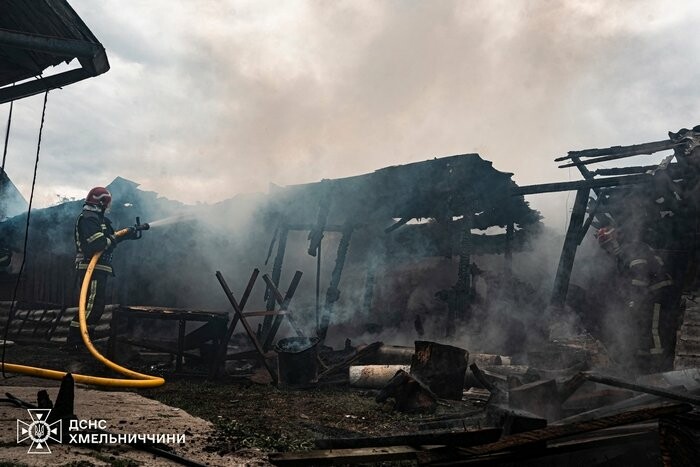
x=650 y=305
x=93 y=233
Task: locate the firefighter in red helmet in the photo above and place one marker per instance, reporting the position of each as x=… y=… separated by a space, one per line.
x=93 y=233
x=649 y=300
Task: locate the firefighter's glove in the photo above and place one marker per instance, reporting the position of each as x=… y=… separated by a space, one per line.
x=113 y=240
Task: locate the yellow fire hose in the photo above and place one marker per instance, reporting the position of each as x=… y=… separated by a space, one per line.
x=139 y=380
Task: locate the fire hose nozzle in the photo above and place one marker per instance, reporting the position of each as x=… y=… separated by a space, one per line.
x=144 y=226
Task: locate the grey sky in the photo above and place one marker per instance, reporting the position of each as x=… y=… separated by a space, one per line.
x=206 y=99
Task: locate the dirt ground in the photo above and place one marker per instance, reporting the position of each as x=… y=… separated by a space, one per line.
x=246 y=418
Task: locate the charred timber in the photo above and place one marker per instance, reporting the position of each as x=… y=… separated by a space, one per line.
x=561 y=431
x=667 y=393
x=568 y=253
x=447 y=438
x=579 y=185
x=333 y=293
x=276 y=274
x=622 y=151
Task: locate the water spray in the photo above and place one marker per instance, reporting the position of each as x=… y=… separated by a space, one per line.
x=170 y=220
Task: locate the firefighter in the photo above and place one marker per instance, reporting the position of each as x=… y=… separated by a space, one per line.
x=93 y=233
x=649 y=301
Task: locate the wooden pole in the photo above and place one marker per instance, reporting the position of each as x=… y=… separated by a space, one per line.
x=568 y=253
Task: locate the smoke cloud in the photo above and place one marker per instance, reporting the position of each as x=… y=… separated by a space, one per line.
x=209 y=99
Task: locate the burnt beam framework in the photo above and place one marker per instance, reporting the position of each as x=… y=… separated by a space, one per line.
x=332 y=293
x=92 y=57
x=577 y=226
x=440 y=189
x=616 y=177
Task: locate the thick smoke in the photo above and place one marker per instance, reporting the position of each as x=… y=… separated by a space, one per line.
x=209 y=99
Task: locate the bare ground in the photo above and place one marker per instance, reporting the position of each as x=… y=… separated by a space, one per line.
x=246 y=418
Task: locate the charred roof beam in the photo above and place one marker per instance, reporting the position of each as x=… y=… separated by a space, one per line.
x=581 y=184
x=92 y=57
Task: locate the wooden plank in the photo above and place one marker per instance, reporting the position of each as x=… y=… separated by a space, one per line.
x=448 y=438
x=557 y=432
x=253 y=314
x=580 y=184
x=667 y=393
x=344 y=456
x=589 y=451
x=624 y=151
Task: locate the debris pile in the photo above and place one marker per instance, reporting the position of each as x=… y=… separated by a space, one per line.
x=517 y=413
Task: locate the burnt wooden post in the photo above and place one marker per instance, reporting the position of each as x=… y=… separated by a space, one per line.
x=333 y=294
x=510 y=233
x=316 y=238
x=568 y=252
x=276 y=274
x=369 y=287
x=510 y=230
x=458 y=304
x=441 y=367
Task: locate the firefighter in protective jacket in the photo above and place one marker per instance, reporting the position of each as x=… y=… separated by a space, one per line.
x=649 y=299
x=93 y=233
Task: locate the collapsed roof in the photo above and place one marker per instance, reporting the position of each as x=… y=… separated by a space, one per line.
x=441 y=188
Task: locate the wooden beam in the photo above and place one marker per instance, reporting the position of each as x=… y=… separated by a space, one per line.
x=557 y=432
x=622 y=151
x=248 y=330
x=667 y=393
x=345 y=456
x=568 y=252
x=447 y=438
x=579 y=185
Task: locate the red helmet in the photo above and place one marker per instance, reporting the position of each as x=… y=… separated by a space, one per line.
x=605 y=234
x=99 y=196
x=608 y=239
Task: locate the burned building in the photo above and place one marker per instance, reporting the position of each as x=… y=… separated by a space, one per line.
x=374 y=224
x=645 y=217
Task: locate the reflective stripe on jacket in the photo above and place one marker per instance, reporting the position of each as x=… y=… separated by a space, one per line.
x=93 y=233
